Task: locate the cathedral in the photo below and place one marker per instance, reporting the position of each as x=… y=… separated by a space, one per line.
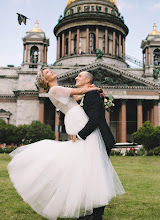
x=90 y=37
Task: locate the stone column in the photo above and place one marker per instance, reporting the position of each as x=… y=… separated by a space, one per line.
x=151 y=56
x=63 y=45
x=146 y=57
x=114 y=44
x=143 y=61
x=106 y=41
x=120 y=39
x=45 y=53
x=78 y=39
x=123 y=48
x=41 y=53
x=58 y=48
x=87 y=40
x=139 y=114
x=155 y=113
x=97 y=38
x=24 y=47
x=26 y=52
x=57 y=124
x=107 y=116
x=123 y=122
x=69 y=43
x=41 y=110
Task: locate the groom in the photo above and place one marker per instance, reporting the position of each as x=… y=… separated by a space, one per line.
x=93 y=107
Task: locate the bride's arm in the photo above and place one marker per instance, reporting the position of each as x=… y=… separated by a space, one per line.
x=81 y=91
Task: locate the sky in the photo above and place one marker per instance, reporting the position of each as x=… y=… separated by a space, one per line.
x=139 y=16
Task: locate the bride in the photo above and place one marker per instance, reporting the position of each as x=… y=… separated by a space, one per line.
x=65 y=179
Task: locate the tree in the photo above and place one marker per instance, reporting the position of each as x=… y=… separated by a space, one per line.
x=38 y=131
x=2 y=131
x=148 y=136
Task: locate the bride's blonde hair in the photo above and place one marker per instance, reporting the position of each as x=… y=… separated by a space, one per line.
x=41 y=82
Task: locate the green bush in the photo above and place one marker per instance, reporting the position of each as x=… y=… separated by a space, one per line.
x=116 y=153
x=130 y=152
x=148 y=136
x=38 y=131
x=157 y=151
x=24 y=134
x=141 y=152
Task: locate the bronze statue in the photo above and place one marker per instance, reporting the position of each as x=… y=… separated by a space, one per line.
x=155 y=73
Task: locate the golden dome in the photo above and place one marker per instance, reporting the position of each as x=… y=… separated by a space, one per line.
x=155 y=32
x=70 y=1
x=36 y=28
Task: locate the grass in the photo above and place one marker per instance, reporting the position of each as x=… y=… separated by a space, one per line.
x=140 y=177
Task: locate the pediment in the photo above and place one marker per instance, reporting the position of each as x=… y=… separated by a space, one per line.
x=107 y=76
x=35 y=35
x=154 y=38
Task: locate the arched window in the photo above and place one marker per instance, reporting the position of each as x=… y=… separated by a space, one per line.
x=66 y=45
x=75 y=44
x=34 y=52
x=156 y=56
x=92 y=45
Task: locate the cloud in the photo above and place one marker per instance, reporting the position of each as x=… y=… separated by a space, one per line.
x=156 y=5
x=18 y=1
x=124 y=5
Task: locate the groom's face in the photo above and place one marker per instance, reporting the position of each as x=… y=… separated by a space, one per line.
x=81 y=79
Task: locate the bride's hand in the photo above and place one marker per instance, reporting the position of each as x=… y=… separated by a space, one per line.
x=92 y=85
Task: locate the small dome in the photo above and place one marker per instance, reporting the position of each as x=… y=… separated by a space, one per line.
x=70 y=1
x=36 y=28
x=155 y=32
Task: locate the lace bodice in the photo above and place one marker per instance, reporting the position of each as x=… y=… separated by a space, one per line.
x=61 y=99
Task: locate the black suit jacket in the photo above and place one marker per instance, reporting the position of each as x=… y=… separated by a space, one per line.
x=93 y=107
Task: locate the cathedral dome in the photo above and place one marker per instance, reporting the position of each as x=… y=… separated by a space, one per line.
x=70 y=1
x=36 y=28
x=155 y=32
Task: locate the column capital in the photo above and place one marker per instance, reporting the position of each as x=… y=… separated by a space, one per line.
x=41 y=100
x=124 y=101
x=140 y=101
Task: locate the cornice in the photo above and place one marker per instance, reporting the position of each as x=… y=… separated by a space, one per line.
x=8 y=77
x=26 y=93
x=91 y=16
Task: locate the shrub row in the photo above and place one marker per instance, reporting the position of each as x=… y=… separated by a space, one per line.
x=24 y=134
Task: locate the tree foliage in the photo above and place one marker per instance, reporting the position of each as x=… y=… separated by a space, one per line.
x=148 y=136
x=24 y=134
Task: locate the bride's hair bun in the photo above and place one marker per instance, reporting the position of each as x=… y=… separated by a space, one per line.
x=40 y=80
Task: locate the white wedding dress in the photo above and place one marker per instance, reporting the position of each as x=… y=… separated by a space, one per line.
x=65 y=179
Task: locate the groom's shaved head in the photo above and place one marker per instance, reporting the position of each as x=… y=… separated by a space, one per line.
x=84 y=79
x=88 y=75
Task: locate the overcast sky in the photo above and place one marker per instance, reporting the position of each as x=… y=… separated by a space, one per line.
x=139 y=16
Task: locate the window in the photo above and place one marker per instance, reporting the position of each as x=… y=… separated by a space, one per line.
x=156 y=56
x=78 y=9
x=71 y=11
x=92 y=45
x=113 y=11
x=92 y=8
x=86 y=8
x=34 y=54
x=106 y=9
x=98 y=8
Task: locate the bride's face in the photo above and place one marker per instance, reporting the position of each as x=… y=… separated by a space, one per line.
x=49 y=75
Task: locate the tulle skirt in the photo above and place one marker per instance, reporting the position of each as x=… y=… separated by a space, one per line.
x=65 y=179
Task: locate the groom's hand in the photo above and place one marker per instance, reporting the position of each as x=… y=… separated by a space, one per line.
x=73 y=138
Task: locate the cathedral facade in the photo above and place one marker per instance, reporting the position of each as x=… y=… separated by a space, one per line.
x=90 y=37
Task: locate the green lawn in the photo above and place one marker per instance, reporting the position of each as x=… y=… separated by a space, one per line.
x=140 y=177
